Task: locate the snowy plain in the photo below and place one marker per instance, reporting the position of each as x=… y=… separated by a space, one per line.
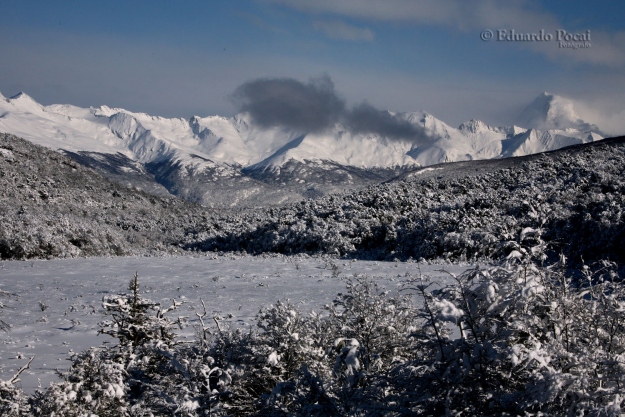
x=54 y=306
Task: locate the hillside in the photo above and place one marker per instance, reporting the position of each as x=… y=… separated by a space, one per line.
x=50 y=206
x=570 y=200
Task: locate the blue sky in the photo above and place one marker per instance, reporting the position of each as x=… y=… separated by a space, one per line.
x=184 y=58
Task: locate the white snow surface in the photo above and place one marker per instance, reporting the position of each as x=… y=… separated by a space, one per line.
x=55 y=306
x=237 y=142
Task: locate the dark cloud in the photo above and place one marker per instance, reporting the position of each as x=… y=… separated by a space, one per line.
x=310 y=107
x=365 y=118
x=314 y=107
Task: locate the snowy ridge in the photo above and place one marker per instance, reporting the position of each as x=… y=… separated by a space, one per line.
x=237 y=141
x=217 y=147
x=535 y=141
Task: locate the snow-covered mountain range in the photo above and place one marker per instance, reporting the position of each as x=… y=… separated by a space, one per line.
x=220 y=161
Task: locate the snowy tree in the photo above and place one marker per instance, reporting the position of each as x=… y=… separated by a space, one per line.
x=131 y=378
x=136 y=320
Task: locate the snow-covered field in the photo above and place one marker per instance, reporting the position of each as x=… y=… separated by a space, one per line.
x=55 y=306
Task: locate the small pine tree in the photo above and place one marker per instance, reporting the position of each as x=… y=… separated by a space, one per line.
x=131 y=322
x=130 y=379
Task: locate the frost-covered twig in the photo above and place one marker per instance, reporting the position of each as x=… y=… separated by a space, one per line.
x=217 y=323
x=16 y=377
x=201 y=318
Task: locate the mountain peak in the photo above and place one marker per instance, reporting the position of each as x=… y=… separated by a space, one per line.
x=24 y=102
x=22 y=96
x=550 y=111
x=473 y=126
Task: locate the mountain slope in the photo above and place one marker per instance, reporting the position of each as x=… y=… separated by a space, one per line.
x=50 y=206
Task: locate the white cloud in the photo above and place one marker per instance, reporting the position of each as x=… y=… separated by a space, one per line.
x=523 y=16
x=463 y=14
x=337 y=29
x=607 y=114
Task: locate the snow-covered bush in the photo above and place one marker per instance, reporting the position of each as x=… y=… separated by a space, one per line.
x=13 y=401
x=263 y=365
x=374 y=328
x=318 y=364
x=521 y=339
x=95 y=384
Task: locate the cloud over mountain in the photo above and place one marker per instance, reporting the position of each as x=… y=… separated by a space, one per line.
x=311 y=107
x=549 y=111
x=365 y=118
x=314 y=107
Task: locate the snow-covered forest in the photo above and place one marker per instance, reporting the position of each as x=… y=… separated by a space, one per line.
x=50 y=206
x=536 y=328
x=571 y=199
